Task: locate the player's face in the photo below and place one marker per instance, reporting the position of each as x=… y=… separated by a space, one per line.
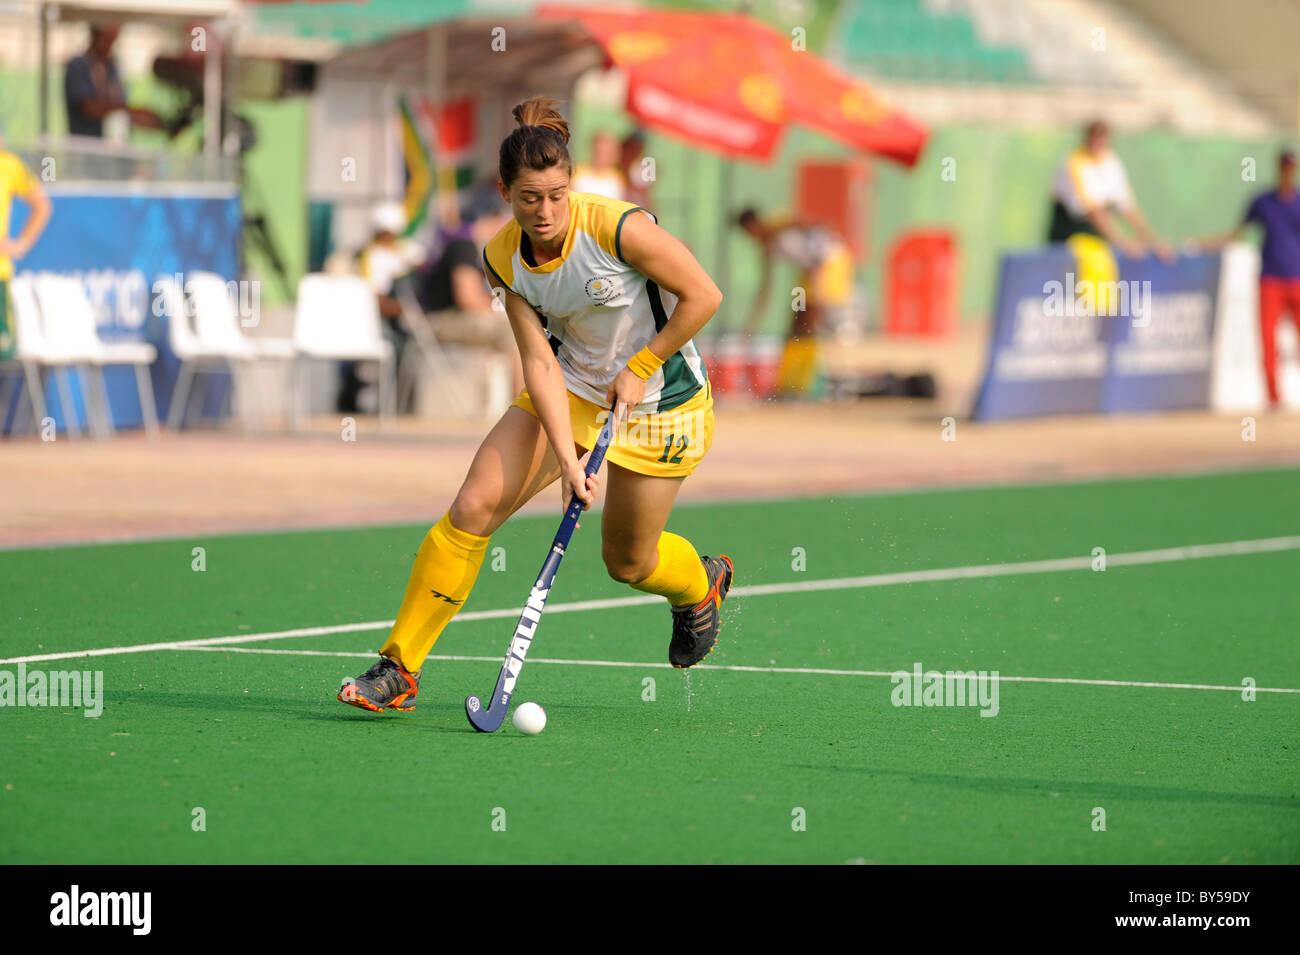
x=539 y=199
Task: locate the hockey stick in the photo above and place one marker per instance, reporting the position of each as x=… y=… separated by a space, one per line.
x=489 y=720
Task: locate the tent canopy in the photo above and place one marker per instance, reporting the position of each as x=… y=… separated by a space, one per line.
x=732 y=84
x=150 y=10
x=350 y=23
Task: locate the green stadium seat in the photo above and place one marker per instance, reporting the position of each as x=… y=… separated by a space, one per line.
x=901 y=39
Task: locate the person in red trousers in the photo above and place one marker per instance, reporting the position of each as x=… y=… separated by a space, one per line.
x=1278 y=213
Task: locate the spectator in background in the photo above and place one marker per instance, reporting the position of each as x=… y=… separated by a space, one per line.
x=638 y=185
x=92 y=88
x=604 y=174
x=386 y=263
x=1091 y=191
x=826 y=276
x=16 y=180
x=1277 y=212
x=455 y=291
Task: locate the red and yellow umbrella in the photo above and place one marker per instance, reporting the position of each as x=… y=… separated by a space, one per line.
x=731 y=83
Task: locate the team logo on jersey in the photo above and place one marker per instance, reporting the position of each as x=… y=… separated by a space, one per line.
x=601 y=288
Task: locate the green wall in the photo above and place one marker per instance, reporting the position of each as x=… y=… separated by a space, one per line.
x=20 y=106
x=276 y=186
x=275 y=167
x=998 y=201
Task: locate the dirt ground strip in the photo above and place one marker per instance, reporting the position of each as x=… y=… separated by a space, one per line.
x=218 y=482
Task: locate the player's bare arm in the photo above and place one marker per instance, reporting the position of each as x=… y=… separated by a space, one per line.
x=468 y=290
x=40 y=206
x=1104 y=222
x=545 y=383
x=1214 y=243
x=1137 y=221
x=661 y=257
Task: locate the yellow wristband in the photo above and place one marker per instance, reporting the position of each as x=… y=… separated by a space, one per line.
x=644 y=363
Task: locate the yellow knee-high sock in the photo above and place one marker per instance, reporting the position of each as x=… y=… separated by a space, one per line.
x=799 y=362
x=679 y=575
x=443 y=575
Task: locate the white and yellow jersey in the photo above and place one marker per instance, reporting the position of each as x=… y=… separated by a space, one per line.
x=598 y=311
x=1085 y=182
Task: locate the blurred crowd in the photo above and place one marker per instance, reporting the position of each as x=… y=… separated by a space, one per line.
x=438 y=286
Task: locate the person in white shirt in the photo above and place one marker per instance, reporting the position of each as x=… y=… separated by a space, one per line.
x=1091 y=193
x=603 y=175
x=386 y=261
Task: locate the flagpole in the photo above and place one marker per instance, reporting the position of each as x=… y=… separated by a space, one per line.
x=448 y=211
x=725 y=189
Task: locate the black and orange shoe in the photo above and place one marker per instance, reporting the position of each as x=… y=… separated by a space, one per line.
x=386 y=685
x=695 y=629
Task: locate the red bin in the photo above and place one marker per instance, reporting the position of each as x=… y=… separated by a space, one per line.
x=921 y=286
x=725 y=361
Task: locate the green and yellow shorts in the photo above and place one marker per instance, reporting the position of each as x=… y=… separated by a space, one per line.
x=662 y=444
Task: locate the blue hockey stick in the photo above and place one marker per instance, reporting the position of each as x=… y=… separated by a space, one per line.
x=489 y=720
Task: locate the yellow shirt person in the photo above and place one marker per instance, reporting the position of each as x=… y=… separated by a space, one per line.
x=15 y=180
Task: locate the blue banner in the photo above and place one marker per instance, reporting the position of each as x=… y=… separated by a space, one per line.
x=119 y=244
x=1142 y=342
x=1161 y=357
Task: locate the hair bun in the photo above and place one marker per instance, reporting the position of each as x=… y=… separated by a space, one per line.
x=541 y=111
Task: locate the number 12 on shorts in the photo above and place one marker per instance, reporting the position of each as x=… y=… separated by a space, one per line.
x=682 y=443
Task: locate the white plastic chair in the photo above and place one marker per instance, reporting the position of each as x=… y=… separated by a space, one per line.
x=195 y=357
x=218 y=330
x=31 y=353
x=337 y=319
x=37 y=350
x=219 y=323
x=68 y=319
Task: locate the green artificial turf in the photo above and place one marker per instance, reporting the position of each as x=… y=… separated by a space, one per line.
x=720 y=764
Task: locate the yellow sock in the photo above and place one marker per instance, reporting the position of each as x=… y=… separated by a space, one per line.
x=443 y=575
x=798 y=365
x=679 y=575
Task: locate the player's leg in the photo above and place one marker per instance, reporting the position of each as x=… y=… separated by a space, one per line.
x=1293 y=307
x=632 y=521
x=800 y=358
x=1272 y=300
x=638 y=551
x=514 y=462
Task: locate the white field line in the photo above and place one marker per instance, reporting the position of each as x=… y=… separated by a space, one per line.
x=741 y=669
x=975 y=571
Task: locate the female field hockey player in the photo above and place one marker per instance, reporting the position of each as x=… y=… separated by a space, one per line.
x=603 y=305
